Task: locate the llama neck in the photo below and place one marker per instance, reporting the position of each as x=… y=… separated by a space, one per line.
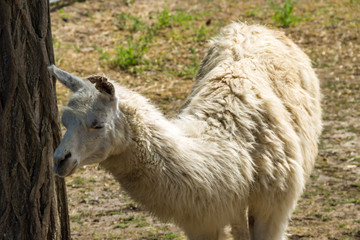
x=153 y=143
x=164 y=164
x=152 y=156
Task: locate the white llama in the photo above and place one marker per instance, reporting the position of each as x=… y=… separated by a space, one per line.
x=238 y=153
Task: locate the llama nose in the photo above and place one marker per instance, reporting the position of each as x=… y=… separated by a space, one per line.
x=60 y=160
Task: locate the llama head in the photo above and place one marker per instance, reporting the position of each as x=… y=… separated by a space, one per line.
x=89 y=120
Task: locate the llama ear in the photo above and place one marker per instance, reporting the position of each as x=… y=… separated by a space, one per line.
x=70 y=81
x=103 y=85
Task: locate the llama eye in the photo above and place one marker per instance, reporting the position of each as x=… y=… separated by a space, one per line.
x=97 y=126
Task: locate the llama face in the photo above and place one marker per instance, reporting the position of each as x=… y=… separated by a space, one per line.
x=89 y=120
x=88 y=137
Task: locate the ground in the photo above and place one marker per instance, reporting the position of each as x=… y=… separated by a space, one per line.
x=155 y=47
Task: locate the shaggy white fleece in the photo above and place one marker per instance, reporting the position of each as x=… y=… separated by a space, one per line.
x=239 y=152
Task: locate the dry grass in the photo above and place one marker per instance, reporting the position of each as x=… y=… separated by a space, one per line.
x=87 y=36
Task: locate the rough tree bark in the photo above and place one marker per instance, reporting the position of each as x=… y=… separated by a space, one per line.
x=32 y=202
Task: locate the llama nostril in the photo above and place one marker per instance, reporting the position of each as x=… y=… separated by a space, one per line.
x=62 y=160
x=67 y=156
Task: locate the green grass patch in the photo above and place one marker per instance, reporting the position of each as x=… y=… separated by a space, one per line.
x=64 y=16
x=125 y=21
x=169 y=236
x=254 y=12
x=121 y=225
x=190 y=69
x=284 y=14
x=76 y=218
x=77 y=182
x=130 y=54
x=326 y=218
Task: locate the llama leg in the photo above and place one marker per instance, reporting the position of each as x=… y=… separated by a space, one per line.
x=272 y=228
x=240 y=227
x=271 y=219
x=251 y=224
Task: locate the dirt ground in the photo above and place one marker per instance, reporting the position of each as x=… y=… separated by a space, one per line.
x=167 y=40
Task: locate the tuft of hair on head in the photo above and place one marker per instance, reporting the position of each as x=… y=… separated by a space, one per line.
x=102 y=84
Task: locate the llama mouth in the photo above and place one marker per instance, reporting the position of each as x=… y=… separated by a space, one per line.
x=65 y=168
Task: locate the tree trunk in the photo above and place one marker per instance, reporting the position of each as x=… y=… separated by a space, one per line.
x=33 y=203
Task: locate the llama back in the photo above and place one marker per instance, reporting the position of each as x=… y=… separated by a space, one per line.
x=274 y=98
